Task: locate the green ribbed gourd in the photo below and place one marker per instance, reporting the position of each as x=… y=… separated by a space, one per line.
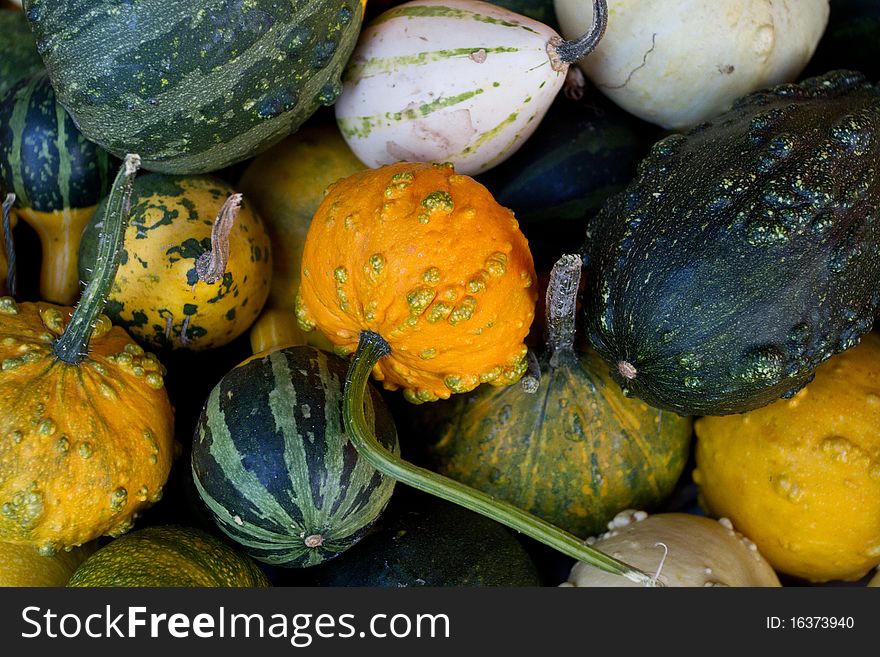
x=565 y=445
x=274 y=466
x=193 y=85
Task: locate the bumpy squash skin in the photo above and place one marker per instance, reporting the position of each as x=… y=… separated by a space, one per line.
x=193 y=86
x=801 y=477
x=157 y=287
x=701 y=552
x=744 y=253
x=428 y=260
x=19 y=58
x=168 y=557
x=575 y=453
x=57 y=176
x=286 y=185
x=83 y=448
x=271 y=461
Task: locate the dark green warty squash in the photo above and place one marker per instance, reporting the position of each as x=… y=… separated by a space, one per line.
x=574 y=453
x=745 y=252
x=193 y=85
x=271 y=461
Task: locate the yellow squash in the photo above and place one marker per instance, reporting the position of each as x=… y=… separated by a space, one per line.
x=801 y=477
x=196 y=269
x=286 y=184
x=22 y=565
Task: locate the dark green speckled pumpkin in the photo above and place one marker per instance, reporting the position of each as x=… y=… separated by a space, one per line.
x=193 y=85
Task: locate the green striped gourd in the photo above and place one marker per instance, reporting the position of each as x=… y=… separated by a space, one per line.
x=273 y=464
x=57 y=175
x=19 y=58
x=460 y=81
x=168 y=556
x=193 y=85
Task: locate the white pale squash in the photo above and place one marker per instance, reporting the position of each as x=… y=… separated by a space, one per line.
x=678 y=63
x=686 y=550
x=458 y=81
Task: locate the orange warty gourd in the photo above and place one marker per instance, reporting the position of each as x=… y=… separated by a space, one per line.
x=431 y=262
x=86 y=426
x=429 y=281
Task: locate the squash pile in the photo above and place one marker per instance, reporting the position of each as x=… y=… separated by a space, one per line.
x=613 y=268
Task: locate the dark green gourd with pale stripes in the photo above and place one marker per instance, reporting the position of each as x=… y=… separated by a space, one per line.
x=193 y=85
x=44 y=159
x=271 y=461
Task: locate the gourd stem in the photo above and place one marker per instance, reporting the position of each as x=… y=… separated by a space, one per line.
x=9 y=241
x=568 y=52
x=371 y=348
x=73 y=344
x=562 y=303
x=211 y=265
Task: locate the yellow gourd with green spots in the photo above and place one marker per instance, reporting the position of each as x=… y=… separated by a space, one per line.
x=191 y=276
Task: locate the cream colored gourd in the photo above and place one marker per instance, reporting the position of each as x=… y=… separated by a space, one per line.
x=698 y=552
x=678 y=63
x=459 y=81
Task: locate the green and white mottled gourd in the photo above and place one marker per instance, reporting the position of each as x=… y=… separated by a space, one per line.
x=272 y=462
x=458 y=81
x=193 y=85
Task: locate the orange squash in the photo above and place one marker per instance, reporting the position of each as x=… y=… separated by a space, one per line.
x=432 y=263
x=86 y=426
x=429 y=280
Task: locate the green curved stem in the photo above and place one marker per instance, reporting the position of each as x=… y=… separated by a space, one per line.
x=72 y=346
x=371 y=348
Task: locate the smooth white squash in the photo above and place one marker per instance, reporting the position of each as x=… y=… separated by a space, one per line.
x=677 y=63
